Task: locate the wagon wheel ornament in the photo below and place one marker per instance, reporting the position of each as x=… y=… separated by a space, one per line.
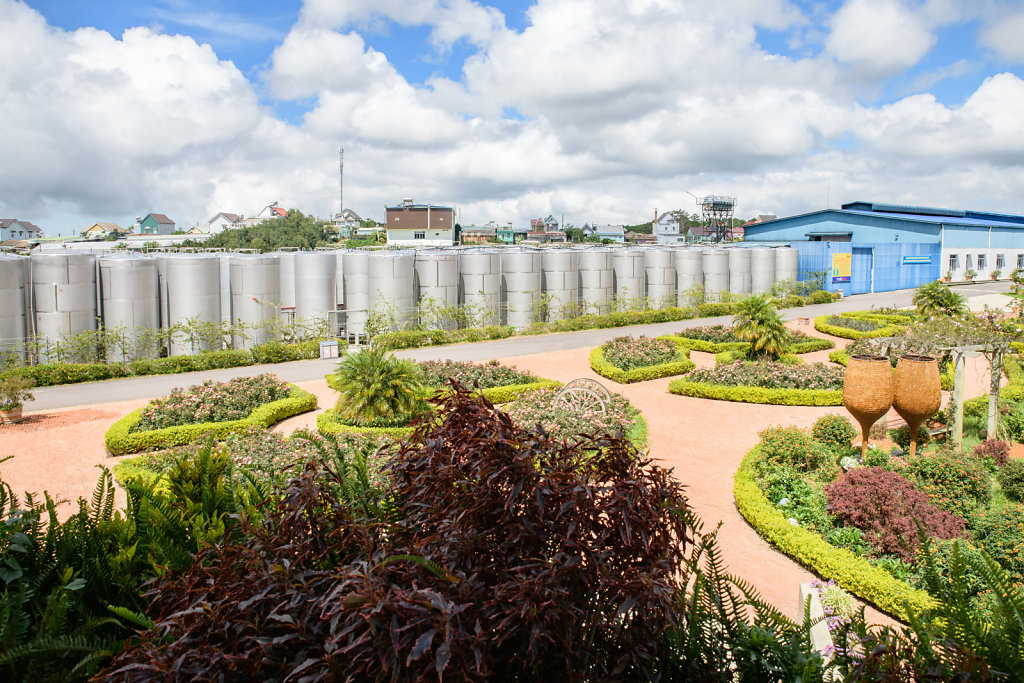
x=584 y=394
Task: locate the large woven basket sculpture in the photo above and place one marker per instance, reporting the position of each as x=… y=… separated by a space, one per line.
x=867 y=392
x=918 y=392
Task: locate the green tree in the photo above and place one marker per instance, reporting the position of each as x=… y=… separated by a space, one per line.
x=935 y=298
x=294 y=230
x=759 y=323
x=376 y=388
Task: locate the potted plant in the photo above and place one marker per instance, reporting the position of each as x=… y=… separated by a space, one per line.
x=948 y=277
x=14 y=389
x=969 y=274
x=995 y=274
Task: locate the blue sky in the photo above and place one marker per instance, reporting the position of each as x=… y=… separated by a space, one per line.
x=603 y=111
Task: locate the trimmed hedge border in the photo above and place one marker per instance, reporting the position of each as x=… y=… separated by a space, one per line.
x=745 y=394
x=852 y=572
x=808 y=346
x=120 y=440
x=327 y=422
x=495 y=395
x=821 y=325
x=731 y=356
x=59 y=374
x=602 y=367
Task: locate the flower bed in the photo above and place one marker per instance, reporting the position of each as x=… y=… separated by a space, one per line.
x=211 y=402
x=538 y=407
x=763 y=382
x=888 y=324
x=436 y=373
x=637 y=359
x=719 y=338
x=122 y=439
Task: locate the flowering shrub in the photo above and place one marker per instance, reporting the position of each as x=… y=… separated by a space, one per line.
x=627 y=353
x=994 y=453
x=839 y=609
x=834 y=431
x=793 y=447
x=212 y=402
x=887 y=508
x=436 y=373
x=953 y=481
x=720 y=334
x=773 y=375
x=1001 y=534
x=539 y=407
x=854 y=323
x=1011 y=479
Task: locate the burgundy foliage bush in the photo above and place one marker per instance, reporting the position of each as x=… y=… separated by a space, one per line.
x=509 y=556
x=885 y=505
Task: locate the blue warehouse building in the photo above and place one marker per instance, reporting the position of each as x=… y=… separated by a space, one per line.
x=871 y=247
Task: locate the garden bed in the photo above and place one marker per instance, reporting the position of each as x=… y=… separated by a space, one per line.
x=762 y=382
x=719 y=338
x=644 y=359
x=122 y=438
x=538 y=407
x=862 y=324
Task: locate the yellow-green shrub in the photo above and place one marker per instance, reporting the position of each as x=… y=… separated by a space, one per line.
x=779 y=397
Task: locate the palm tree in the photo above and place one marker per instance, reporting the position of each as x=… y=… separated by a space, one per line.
x=377 y=388
x=759 y=322
x=936 y=298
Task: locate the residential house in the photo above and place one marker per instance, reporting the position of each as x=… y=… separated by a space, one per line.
x=667 y=229
x=16 y=229
x=549 y=224
x=223 y=221
x=545 y=236
x=196 y=230
x=156 y=224
x=639 y=238
x=101 y=231
x=410 y=224
x=479 y=234
x=345 y=222
x=615 y=233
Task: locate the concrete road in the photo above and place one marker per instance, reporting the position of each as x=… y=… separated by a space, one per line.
x=88 y=393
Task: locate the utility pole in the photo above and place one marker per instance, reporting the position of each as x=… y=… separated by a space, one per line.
x=341 y=181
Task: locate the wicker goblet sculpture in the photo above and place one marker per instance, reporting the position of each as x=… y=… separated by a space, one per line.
x=867 y=392
x=918 y=392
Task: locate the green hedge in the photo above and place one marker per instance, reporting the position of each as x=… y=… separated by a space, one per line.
x=733 y=355
x=811 y=345
x=57 y=374
x=495 y=395
x=779 y=397
x=850 y=571
x=704 y=345
x=821 y=325
x=120 y=440
x=327 y=422
x=602 y=367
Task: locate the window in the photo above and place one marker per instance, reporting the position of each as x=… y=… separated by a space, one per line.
x=954 y=262
x=981 y=262
x=968 y=263
x=1020 y=261
x=419 y=235
x=1000 y=262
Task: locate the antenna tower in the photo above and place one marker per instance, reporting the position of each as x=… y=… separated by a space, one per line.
x=341 y=182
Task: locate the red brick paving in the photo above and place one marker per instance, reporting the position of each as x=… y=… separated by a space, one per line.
x=703 y=441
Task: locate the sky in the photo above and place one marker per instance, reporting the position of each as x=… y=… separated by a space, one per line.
x=596 y=111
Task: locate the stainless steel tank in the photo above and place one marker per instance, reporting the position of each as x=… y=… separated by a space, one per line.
x=630 y=278
x=287 y=261
x=225 y=287
x=255 y=298
x=392 y=285
x=316 y=290
x=660 y=270
x=739 y=270
x=63 y=296
x=560 y=281
x=357 y=290
x=130 y=299
x=716 y=272
x=480 y=286
x=689 y=273
x=521 y=285
x=787 y=264
x=437 y=287
x=339 y=277
x=13 y=311
x=193 y=295
x=597 y=279
x=762 y=270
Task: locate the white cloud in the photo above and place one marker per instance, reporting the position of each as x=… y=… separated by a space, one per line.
x=878 y=38
x=1005 y=36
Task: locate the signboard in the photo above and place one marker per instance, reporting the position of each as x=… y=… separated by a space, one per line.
x=842 y=266
x=917 y=260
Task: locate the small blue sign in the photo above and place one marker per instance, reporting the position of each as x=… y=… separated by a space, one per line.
x=917 y=260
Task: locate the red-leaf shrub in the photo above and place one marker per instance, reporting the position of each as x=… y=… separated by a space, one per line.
x=997 y=452
x=510 y=556
x=885 y=505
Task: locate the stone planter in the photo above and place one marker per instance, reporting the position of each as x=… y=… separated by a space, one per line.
x=867 y=392
x=918 y=392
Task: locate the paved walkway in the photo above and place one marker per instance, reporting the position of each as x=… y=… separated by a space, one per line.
x=58 y=449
